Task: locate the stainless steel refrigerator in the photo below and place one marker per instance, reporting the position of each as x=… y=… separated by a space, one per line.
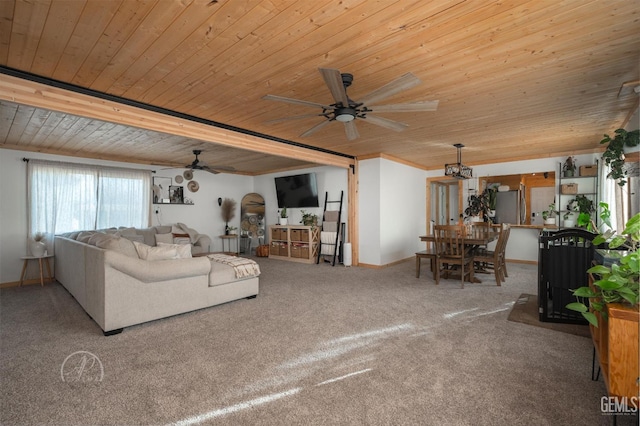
x=508 y=207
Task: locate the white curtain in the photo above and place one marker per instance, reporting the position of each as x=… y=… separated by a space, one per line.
x=65 y=197
x=614 y=196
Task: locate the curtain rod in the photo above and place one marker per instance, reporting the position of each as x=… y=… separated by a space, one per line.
x=97 y=166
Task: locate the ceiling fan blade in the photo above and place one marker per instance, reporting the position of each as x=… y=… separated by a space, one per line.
x=294 y=101
x=386 y=123
x=315 y=128
x=333 y=79
x=404 y=82
x=295 y=117
x=217 y=169
x=415 y=106
x=351 y=130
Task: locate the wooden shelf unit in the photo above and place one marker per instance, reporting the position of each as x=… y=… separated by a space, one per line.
x=297 y=243
x=587 y=186
x=616 y=343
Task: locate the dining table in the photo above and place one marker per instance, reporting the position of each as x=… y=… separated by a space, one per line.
x=474 y=237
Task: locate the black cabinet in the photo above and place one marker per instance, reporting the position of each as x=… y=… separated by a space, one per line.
x=563 y=259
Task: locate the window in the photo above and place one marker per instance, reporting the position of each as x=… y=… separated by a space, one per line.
x=65 y=197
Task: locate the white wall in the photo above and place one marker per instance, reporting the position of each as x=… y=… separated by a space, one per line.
x=392 y=211
x=204 y=214
x=330 y=180
x=369 y=217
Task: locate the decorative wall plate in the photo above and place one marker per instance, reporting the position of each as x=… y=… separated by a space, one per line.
x=188 y=174
x=178 y=179
x=193 y=186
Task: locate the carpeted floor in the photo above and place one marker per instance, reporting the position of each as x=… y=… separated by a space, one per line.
x=319 y=345
x=525 y=310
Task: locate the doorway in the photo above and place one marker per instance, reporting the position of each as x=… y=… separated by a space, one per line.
x=444 y=201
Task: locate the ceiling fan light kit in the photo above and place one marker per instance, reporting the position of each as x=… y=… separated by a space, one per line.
x=199 y=165
x=346 y=111
x=458 y=170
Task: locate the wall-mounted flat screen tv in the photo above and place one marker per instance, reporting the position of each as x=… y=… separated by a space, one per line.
x=297 y=191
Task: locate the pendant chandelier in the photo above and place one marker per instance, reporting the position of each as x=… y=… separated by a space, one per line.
x=458 y=170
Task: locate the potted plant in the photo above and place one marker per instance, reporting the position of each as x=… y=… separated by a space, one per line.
x=585 y=207
x=228 y=212
x=492 y=199
x=569 y=167
x=282 y=220
x=617 y=283
x=568 y=216
x=37 y=246
x=309 y=219
x=549 y=215
x=478 y=207
x=613 y=155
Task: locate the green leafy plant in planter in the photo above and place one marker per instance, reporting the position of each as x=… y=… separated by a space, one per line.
x=585 y=208
x=550 y=213
x=569 y=167
x=613 y=155
x=478 y=205
x=618 y=283
x=492 y=199
x=567 y=216
x=283 y=216
x=309 y=219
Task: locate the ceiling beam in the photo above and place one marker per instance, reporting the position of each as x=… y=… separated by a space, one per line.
x=41 y=95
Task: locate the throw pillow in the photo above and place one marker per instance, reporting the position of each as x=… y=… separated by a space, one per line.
x=146 y=252
x=164 y=238
x=183 y=251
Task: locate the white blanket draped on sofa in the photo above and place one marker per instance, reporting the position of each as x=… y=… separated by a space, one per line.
x=243 y=267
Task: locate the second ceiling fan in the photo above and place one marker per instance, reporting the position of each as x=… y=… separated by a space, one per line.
x=347 y=110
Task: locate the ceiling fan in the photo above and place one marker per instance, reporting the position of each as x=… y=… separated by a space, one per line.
x=196 y=164
x=347 y=110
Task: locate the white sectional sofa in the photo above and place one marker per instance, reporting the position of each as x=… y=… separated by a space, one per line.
x=119 y=289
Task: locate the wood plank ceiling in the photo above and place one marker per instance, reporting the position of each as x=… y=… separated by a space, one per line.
x=514 y=79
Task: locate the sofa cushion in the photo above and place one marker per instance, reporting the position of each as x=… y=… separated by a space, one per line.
x=126 y=232
x=98 y=236
x=183 y=251
x=138 y=238
x=164 y=238
x=119 y=244
x=84 y=236
x=146 y=252
x=149 y=235
x=163 y=229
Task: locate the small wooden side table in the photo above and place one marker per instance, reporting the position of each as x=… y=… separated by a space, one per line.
x=41 y=260
x=230 y=237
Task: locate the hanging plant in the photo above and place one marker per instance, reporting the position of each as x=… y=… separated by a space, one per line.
x=613 y=155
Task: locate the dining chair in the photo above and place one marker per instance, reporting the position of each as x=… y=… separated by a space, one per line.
x=451 y=251
x=426 y=254
x=494 y=260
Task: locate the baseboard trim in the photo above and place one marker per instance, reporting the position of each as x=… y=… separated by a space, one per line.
x=369 y=265
x=528 y=262
x=30 y=281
